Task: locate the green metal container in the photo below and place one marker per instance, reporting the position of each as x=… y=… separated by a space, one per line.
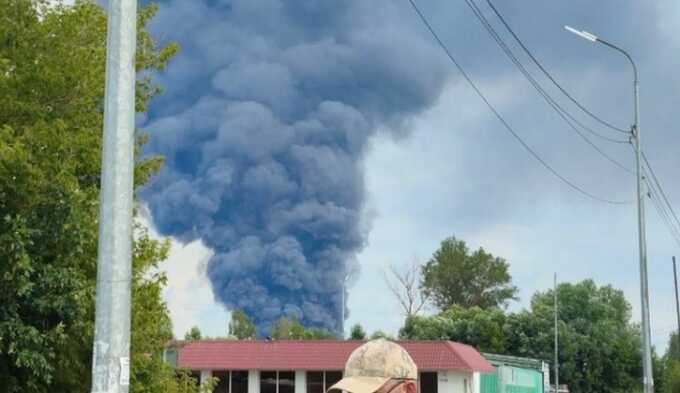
x=508 y=379
x=513 y=375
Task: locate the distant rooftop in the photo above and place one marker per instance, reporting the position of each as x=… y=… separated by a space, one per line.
x=317 y=355
x=515 y=361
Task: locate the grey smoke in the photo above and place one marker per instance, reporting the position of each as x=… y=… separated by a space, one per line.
x=266 y=118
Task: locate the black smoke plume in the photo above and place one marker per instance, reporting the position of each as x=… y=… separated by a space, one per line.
x=266 y=118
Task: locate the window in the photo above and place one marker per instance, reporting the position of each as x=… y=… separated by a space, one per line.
x=428 y=382
x=286 y=382
x=239 y=382
x=332 y=377
x=196 y=375
x=277 y=382
x=231 y=381
x=315 y=382
x=268 y=381
x=223 y=383
x=321 y=381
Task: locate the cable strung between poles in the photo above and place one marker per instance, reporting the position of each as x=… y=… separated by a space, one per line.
x=546 y=96
x=663 y=214
x=503 y=121
x=658 y=185
x=549 y=76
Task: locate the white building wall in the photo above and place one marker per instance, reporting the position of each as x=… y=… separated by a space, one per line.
x=476 y=382
x=300 y=381
x=205 y=376
x=457 y=382
x=253 y=381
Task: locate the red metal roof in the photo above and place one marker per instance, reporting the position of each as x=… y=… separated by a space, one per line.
x=317 y=355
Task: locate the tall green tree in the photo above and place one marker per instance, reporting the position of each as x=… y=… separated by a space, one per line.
x=241 y=326
x=291 y=329
x=671 y=378
x=51 y=93
x=673 y=351
x=357 y=332
x=667 y=369
x=599 y=346
x=381 y=334
x=193 y=334
x=456 y=276
x=481 y=328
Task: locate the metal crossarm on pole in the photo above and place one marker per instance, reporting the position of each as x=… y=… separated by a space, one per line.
x=111 y=347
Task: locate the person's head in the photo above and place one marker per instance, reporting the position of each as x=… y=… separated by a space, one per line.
x=379 y=366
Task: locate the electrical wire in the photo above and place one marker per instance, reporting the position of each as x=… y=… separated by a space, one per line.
x=566 y=116
x=501 y=119
x=658 y=185
x=549 y=76
x=564 y=113
x=663 y=214
x=660 y=201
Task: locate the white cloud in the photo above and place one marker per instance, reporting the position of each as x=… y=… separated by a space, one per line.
x=188 y=292
x=426 y=167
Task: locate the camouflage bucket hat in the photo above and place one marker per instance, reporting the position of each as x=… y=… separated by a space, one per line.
x=373 y=364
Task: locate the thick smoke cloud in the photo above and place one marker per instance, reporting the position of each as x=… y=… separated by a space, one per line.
x=266 y=117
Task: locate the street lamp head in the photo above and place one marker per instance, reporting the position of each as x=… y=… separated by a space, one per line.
x=582 y=34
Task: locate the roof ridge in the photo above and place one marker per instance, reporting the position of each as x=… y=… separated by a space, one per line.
x=452 y=346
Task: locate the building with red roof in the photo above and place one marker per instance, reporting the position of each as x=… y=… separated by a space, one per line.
x=289 y=366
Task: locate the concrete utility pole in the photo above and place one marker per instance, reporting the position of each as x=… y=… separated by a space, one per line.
x=557 y=361
x=648 y=380
x=111 y=350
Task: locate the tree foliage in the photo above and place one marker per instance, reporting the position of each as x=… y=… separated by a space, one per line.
x=381 y=334
x=241 y=327
x=52 y=62
x=673 y=351
x=357 y=332
x=599 y=346
x=455 y=276
x=667 y=369
x=193 y=334
x=478 y=327
x=290 y=329
x=671 y=377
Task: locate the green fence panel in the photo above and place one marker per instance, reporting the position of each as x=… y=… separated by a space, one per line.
x=489 y=383
x=521 y=380
x=508 y=379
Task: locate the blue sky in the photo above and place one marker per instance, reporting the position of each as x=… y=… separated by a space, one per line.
x=386 y=151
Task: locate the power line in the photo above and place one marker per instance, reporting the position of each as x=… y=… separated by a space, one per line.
x=660 y=201
x=566 y=116
x=658 y=185
x=662 y=210
x=552 y=79
x=499 y=40
x=663 y=214
x=501 y=119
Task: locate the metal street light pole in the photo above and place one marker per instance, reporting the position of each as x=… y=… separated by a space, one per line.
x=111 y=348
x=557 y=360
x=648 y=380
x=677 y=301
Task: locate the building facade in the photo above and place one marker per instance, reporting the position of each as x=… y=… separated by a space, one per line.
x=314 y=366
